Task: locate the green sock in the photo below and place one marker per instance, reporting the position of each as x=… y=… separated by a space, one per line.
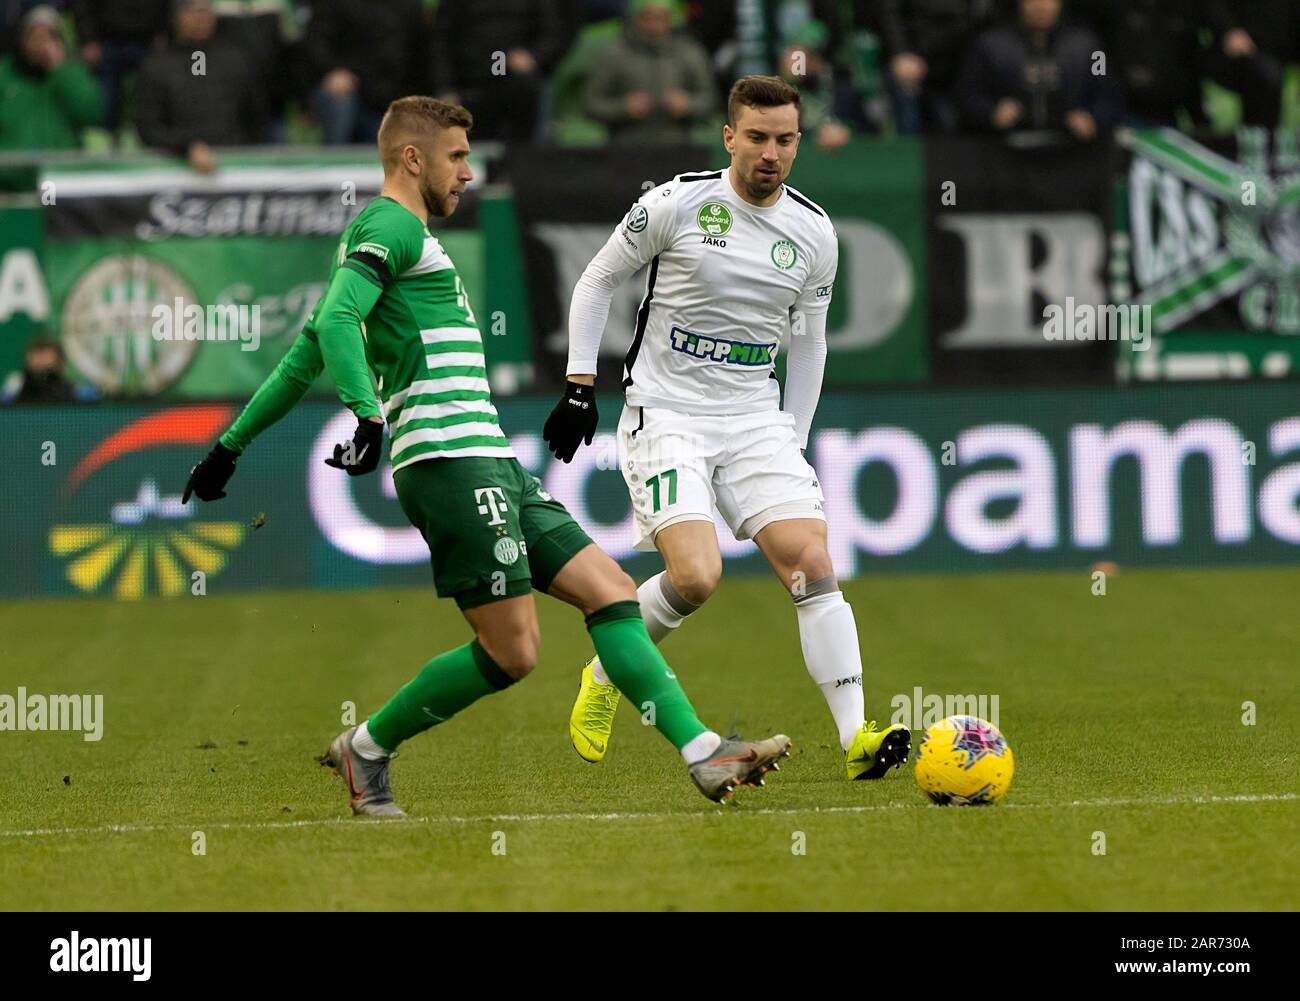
x=452 y=681
x=636 y=666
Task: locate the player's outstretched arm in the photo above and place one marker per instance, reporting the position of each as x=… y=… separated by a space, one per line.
x=644 y=232
x=277 y=395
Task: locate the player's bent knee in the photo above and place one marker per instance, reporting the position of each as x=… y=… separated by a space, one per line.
x=515 y=652
x=697 y=581
x=622 y=587
x=814 y=562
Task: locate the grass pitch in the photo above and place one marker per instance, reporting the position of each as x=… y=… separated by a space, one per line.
x=1124 y=712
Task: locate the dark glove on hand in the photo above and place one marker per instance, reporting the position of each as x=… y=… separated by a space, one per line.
x=572 y=421
x=362 y=454
x=209 y=478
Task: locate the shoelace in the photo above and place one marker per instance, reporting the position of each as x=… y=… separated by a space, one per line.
x=602 y=705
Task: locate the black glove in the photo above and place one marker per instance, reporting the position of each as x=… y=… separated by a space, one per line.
x=362 y=454
x=572 y=421
x=209 y=478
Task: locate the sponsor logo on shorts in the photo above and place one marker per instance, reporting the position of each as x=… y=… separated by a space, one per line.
x=493 y=500
x=721 y=350
x=823 y=291
x=506 y=551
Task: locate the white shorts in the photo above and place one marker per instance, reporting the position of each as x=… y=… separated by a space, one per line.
x=678 y=467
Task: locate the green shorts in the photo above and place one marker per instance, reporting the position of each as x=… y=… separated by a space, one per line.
x=493 y=532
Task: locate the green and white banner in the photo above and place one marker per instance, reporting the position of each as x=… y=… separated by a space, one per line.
x=107 y=244
x=1207 y=233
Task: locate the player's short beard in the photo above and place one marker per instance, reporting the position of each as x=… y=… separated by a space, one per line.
x=436 y=206
x=757 y=184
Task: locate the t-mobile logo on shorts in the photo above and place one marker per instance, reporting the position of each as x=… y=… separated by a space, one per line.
x=492 y=499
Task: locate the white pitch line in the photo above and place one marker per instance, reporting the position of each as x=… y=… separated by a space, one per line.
x=526 y=818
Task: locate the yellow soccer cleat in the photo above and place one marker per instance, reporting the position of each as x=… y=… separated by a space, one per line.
x=874 y=752
x=592 y=718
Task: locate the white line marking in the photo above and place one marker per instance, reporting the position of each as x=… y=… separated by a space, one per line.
x=525 y=818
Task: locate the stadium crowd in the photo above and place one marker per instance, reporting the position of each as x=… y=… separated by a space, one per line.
x=189 y=76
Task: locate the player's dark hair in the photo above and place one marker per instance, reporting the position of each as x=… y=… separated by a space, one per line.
x=408 y=115
x=759 y=92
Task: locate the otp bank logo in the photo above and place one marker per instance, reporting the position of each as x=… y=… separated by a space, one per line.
x=149 y=543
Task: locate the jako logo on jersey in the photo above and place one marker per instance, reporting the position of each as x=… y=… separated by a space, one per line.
x=716 y=349
x=494 y=499
x=714 y=218
x=784 y=254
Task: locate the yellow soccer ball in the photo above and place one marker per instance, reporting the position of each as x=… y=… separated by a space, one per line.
x=964 y=761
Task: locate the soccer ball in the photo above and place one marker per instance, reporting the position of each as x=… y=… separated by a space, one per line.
x=964 y=761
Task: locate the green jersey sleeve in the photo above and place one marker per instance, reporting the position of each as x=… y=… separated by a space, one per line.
x=283 y=388
x=384 y=242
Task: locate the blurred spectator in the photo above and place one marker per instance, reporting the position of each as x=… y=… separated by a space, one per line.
x=362 y=57
x=42 y=379
x=924 y=41
x=805 y=66
x=187 y=111
x=1037 y=73
x=1154 y=49
x=1254 y=40
x=13 y=11
x=46 y=96
x=267 y=32
x=114 y=38
x=651 y=85
x=502 y=91
x=749 y=36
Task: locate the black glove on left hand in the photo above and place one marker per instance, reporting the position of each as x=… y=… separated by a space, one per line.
x=362 y=454
x=209 y=478
x=572 y=421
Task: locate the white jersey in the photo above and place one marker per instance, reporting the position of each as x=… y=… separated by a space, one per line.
x=725 y=279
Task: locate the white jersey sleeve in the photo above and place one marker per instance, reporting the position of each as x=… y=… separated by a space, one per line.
x=816 y=294
x=804 y=368
x=806 y=361
x=644 y=232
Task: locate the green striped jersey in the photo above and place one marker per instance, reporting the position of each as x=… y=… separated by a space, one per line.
x=422 y=341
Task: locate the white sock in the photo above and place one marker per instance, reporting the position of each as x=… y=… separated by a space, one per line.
x=699 y=748
x=365 y=745
x=657 y=596
x=828 y=634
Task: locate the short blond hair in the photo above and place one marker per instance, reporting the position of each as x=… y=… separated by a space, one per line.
x=410 y=118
